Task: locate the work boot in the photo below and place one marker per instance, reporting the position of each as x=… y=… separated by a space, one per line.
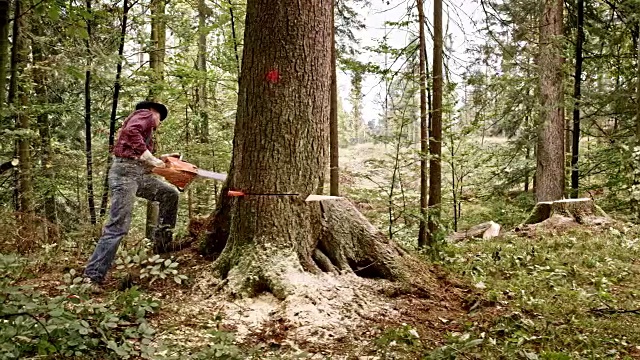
x=93 y=287
x=164 y=241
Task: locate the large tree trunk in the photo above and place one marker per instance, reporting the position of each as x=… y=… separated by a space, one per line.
x=424 y=137
x=551 y=160
x=4 y=47
x=435 y=141
x=280 y=145
x=114 y=108
x=576 y=107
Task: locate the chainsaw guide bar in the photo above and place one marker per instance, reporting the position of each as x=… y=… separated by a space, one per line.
x=181 y=173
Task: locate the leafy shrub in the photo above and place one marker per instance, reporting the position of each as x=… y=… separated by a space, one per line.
x=71 y=324
x=148 y=267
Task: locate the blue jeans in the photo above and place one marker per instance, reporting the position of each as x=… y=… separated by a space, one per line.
x=129 y=179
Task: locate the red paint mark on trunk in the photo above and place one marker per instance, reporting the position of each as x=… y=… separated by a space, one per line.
x=273 y=76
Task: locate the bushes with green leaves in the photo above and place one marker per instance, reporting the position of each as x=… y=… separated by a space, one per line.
x=71 y=324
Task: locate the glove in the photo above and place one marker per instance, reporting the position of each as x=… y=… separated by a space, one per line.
x=151 y=160
x=165 y=156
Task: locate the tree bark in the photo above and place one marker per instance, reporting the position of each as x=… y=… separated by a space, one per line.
x=435 y=141
x=638 y=83
x=41 y=81
x=87 y=121
x=114 y=108
x=17 y=94
x=334 y=174
x=551 y=160
x=13 y=84
x=233 y=35
x=201 y=91
x=156 y=62
x=576 y=106
x=4 y=47
x=280 y=146
x=424 y=137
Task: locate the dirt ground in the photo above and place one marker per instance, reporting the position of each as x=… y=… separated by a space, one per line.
x=337 y=316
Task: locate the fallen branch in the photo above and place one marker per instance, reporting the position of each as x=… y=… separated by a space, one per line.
x=485 y=231
x=615 y=311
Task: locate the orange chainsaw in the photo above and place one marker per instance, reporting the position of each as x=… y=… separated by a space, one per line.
x=181 y=173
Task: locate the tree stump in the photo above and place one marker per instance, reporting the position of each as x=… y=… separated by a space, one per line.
x=582 y=210
x=561 y=215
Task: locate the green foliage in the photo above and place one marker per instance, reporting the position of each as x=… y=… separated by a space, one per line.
x=406 y=341
x=149 y=268
x=221 y=347
x=555 y=289
x=572 y=296
x=71 y=324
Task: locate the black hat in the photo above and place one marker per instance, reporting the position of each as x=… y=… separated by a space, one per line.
x=153 y=105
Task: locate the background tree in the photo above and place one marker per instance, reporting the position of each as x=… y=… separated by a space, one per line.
x=18 y=97
x=156 y=63
x=424 y=137
x=334 y=172
x=87 y=119
x=575 y=146
x=435 y=140
x=4 y=48
x=550 y=149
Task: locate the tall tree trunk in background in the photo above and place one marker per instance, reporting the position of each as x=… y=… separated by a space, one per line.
x=13 y=90
x=18 y=95
x=156 y=62
x=424 y=136
x=435 y=141
x=356 y=123
x=334 y=171
x=187 y=125
x=201 y=91
x=87 y=120
x=41 y=81
x=576 y=106
x=551 y=160
x=202 y=191
x=233 y=35
x=4 y=47
x=114 y=108
x=638 y=82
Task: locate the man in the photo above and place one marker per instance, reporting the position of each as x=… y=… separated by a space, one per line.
x=130 y=177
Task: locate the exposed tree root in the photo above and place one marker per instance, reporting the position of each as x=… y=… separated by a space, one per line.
x=315 y=279
x=340 y=240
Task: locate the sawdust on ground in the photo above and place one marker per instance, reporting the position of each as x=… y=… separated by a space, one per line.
x=326 y=315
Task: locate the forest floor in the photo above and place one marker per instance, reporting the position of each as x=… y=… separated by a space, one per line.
x=570 y=294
